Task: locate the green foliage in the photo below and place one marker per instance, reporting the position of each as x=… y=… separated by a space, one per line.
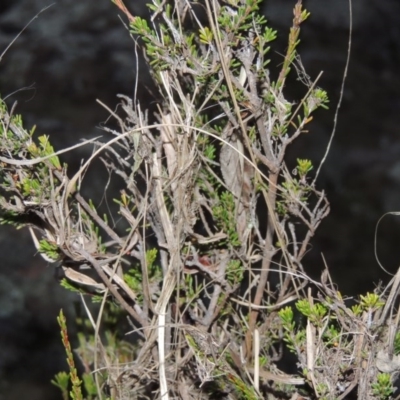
x=61 y=379
x=190 y=287
x=332 y=335
x=314 y=312
x=293 y=339
x=235 y=272
x=51 y=250
x=134 y=279
x=397 y=344
x=209 y=152
x=244 y=390
x=134 y=276
x=371 y=301
x=44 y=149
x=206 y=35
x=90 y=386
x=286 y=315
x=116 y=350
x=383 y=388
x=12 y=218
x=357 y=309
x=303 y=167
x=224 y=214
x=70 y=286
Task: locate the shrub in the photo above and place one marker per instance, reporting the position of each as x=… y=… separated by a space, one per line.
x=219 y=224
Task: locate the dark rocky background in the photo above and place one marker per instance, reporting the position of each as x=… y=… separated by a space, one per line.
x=77 y=51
